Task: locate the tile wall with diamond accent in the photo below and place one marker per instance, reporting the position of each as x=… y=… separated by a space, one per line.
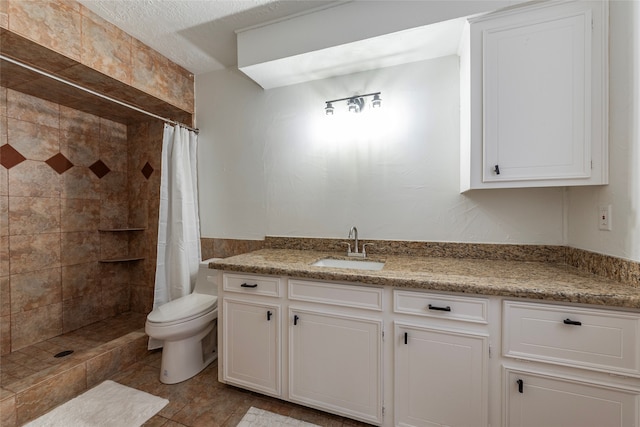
x=65 y=175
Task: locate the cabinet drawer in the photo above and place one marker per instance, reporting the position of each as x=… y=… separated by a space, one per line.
x=598 y=339
x=441 y=306
x=335 y=294
x=251 y=284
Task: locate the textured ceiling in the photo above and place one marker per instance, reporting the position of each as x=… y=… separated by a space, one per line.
x=199 y=35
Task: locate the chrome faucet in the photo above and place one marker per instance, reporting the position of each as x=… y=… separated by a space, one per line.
x=353 y=234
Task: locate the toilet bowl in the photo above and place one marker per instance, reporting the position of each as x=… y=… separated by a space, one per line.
x=187 y=328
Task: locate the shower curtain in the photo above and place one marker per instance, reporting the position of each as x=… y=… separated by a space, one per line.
x=179 y=224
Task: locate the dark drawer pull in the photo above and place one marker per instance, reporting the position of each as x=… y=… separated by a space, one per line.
x=295 y=320
x=434 y=307
x=269 y=314
x=245 y=285
x=572 y=322
x=520 y=386
x=406 y=338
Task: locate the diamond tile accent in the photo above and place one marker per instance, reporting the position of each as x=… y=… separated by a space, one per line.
x=59 y=163
x=9 y=156
x=147 y=170
x=99 y=168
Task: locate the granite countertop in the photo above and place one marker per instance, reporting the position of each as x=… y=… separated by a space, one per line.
x=537 y=280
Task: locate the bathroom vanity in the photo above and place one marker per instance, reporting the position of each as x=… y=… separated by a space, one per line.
x=432 y=341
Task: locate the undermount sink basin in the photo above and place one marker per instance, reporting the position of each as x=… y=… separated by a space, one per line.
x=348 y=263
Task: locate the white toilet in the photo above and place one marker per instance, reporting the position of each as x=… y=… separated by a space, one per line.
x=187 y=327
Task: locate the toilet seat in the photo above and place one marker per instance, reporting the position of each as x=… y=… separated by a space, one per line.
x=182 y=309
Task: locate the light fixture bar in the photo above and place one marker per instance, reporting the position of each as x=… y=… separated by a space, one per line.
x=354 y=97
x=355 y=103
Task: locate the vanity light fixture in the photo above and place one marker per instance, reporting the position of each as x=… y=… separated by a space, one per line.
x=355 y=104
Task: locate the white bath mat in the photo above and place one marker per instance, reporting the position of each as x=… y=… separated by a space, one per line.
x=260 y=418
x=108 y=404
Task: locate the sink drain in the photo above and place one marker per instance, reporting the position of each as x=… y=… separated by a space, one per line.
x=63 y=353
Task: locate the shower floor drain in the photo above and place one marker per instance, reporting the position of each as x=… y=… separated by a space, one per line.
x=63 y=353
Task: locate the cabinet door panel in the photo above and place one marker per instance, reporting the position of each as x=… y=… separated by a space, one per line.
x=537 y=83
x=252 y=345
x=335 y=363
x=440 y=377
x=556 y=402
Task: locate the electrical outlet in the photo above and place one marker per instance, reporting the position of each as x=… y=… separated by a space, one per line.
x=604 y=217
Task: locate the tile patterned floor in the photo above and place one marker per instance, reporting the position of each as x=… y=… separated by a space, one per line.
x=39 y=357
x=203 y=401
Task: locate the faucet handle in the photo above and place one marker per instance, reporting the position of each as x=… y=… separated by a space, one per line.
x=364 y=248
x=348 y=246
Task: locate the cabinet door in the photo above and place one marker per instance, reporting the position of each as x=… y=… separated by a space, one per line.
x=440 y=377
x=251 y=345
x=536 y=400
x=335 y=363
x=537 y=110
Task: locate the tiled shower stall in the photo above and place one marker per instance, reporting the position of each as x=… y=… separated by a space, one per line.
x=66 y=177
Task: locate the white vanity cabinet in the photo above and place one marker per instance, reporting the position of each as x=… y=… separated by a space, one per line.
x=335 y=348
x=534 y=97
x=554 y=340
x=251 y=338
x=441 y=354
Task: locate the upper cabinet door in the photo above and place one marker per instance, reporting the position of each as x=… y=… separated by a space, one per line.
x=538 y=100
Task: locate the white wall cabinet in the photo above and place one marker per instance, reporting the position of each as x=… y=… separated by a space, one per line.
x=335 y=363
x=534 y=97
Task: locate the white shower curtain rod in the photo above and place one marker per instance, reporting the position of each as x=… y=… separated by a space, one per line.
x=92 y=92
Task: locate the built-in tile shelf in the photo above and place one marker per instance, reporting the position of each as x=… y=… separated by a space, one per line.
x=124 y=259
x=112 y=230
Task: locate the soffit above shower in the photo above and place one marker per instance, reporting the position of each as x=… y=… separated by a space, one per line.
x=355 y=36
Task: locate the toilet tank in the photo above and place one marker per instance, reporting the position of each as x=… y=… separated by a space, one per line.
x=207 y=280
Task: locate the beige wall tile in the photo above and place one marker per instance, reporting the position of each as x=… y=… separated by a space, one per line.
x=79 y=215
x=34 y=215
x=4 y=13
x=35 y=289
x=114 y=245
x=5 y=335
x=80 y=183
x=4 y=256
x=8 y=411
x=80 y=279
x=21 y=106
x=29 y=327
x=81 y=149
x=79 y=247
x=34 y=179
x=3 y=90
x=141 y=299
x=5 y=296
x=156 y=75
x=116 y=299
x=105 y=47
x=33 y=141
x=81 y=311
x=44 y=396
x=53 y=24
x=76 y=121
x=4 y=215
x=4 y=181
x=34 y=252
x=114 y=213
